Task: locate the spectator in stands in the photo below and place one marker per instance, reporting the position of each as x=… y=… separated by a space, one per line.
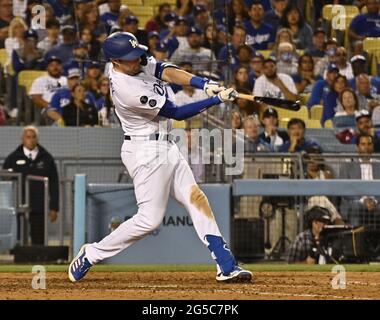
x=297 y=141
x=358 y=50
x=199 y=56
x=169 y=23
x=271 y=136
x=15 y=41
x=107 y=114
x=274 y=84
x=287 y=61
x=274 y=16
x=304 y=79
x=177 y=36
x=157 y=23
x=330 y=99
x=283 y=35
x=201 y=17
x=366 y=24
x=80 y=52
x=6 y=16
x=63 y=11
x=44 y=87
x=111 y=17
x=184 y=8
x=52 y=35
x=241 y=79
x=161 y=52
x=368 y=95
x=92 y=76
x=359 y=67
x=260 y=36
x=29 y=56
x=348 y=106
x=64 y=50
x=251 y=133
x=317 y=51
x=153 y=41
x=62 y=97
x=246 y=107
x=90 y=19
x=244 y=54
x=30 y=158
x=323 y=86
x=130 y=24
x=344 y=66
x=210 y=39
x=257 y=66
x=236 y=119
x=302 y=32
x=228 y=54
x=361 y=210
x=306 y=246
x=79 y=113
x=92 y=45
x=237 y=14
x=330 y=57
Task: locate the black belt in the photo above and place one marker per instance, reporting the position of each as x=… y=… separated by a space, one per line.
x=154 y=136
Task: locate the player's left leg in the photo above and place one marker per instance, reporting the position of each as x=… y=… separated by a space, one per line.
x=185 y=190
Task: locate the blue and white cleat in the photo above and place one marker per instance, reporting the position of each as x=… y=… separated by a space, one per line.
x=79 y=266
x=235 y=276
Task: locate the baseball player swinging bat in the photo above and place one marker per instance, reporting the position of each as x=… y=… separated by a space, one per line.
x=281 y=103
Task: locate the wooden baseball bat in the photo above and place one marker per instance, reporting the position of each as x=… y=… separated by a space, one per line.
x=281 y=103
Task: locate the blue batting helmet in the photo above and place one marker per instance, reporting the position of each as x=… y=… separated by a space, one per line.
x=123 y=46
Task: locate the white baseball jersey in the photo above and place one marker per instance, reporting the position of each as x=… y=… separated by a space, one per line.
x=138 y=99
x=47 y=86
x=265 y=88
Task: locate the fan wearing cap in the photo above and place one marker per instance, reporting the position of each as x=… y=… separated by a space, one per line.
x=201 y=17
x=274 y=16
x=44 y=87
x=329 y=58
x=198 y=55
x=65 y=50
x=323 y=86
x=274 y=84
x=63 y=96
x=153 y=41
x=176 y=38
x=271 y=136
x=366 y=24
x=130 y=23
x=29 y=56
x=306 y=246
x=260 y=36
x=344 y=66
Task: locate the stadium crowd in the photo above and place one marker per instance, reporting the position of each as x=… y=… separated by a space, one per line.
x=273 y=48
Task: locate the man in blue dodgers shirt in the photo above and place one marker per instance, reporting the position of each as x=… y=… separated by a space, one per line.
x=367 y=24
x=260 y=36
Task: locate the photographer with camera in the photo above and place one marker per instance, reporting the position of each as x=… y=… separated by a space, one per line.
x=306 y=247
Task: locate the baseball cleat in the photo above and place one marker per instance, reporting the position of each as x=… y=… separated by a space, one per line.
x=79 y=266
x=236 y=275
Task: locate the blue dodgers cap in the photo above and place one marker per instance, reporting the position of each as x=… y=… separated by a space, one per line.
x=181 y=19
x=131 y=19
x=161 y=47
x=53 y=58
x=123 y=46
x=194 y=30
x=93 y=64
x=332 y=67
x=171 y=16
x=30 y=33
x=199 y=9
x=153 y=34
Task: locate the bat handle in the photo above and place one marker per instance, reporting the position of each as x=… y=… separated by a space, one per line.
x=246 y=96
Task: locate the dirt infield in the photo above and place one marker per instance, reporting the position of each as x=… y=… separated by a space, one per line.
x=190 y=285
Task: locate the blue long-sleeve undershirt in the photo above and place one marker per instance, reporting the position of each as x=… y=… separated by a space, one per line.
x=172 y=111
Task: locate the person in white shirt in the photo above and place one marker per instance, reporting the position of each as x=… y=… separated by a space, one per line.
x=44 y=87
x=15 y=41
x=345 y=68
x=273 y=84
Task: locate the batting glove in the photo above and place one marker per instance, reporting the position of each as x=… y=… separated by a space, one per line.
x=229 y=94
x=212 y=88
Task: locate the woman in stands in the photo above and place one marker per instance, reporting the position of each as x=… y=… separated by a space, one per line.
x=349 y=103
x=305 y=77
x=330 y=101
x=90 y=19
